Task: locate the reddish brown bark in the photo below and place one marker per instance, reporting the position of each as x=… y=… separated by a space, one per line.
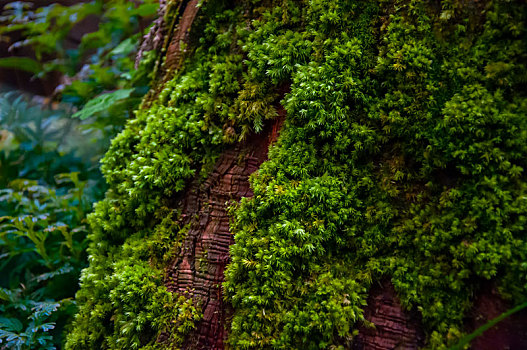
x=394 y=328
x=201 y=260
x=509 y=334
x=169 y=36
x=180 y=37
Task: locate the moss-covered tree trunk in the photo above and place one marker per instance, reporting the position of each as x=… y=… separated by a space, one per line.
x=389 y=213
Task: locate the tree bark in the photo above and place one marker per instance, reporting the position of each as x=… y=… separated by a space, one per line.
x=201 y=261
x=198 y=268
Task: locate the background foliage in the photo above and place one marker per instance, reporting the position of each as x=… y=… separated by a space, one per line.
x=42 y=212
x=49 y=155
x=93 y=69
x=402 y=158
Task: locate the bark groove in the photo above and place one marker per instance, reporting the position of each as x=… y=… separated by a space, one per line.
x=180 y=38
x=394 y=328
x=204 y=254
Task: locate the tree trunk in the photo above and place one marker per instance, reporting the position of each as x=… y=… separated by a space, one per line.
x=200 y=261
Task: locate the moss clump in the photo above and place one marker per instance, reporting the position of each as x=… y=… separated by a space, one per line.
x=211 y=102
x=402 y=157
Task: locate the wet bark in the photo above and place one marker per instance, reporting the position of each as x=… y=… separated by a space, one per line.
x=395 y=328
x=180 y=36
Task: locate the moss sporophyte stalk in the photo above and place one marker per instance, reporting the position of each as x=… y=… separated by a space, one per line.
x=402 y=157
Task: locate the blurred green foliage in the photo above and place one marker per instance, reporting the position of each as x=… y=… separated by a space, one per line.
x=48 y=181
x=101 y=63
x=49 y=161
x=42 y=250
x=38 y=142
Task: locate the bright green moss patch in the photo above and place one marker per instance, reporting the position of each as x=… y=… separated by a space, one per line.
x=123 y=303
x=403 y=156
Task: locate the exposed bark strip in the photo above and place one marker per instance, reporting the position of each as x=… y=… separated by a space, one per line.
x=174 y=55
x=395 y=328
x=201 y=261
x=509 y=334
x=399 y=329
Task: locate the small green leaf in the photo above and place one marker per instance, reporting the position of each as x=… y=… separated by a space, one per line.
x=22 y=63
x=145 y=10
x=124 y=48
x=10 y=324
x=102 y=102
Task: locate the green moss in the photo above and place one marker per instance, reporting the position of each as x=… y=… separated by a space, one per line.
x=402 y=157
x=135 y=230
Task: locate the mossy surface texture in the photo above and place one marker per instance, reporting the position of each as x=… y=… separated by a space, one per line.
x=402 y=158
